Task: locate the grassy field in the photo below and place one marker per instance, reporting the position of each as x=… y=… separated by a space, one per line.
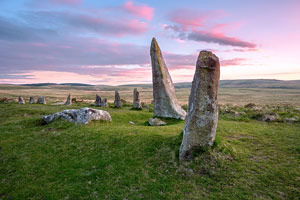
x=250 y=160
x=235 y=96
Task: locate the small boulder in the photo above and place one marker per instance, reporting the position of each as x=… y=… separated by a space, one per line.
x=270 y=118
x=21 y=100
x=156 y=122
x=291 y=120
x=250 y=105
x=104 y=103
x=80 y=116
x=131 y=122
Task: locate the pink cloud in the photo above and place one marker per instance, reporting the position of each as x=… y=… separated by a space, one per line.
x=142 y=11
x=233 y=62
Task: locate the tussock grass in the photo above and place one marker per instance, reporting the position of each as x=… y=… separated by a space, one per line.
x=61 y=160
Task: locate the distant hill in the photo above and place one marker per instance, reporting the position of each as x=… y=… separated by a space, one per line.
x=50 y=84
x=242 y=83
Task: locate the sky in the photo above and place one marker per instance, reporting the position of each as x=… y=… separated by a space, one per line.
x=105 y=42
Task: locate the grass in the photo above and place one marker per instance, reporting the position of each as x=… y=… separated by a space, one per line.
x=250 y=159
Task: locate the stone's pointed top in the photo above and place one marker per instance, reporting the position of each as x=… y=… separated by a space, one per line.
x=154 y=45
x=207 y=59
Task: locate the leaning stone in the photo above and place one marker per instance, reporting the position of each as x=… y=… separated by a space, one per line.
x=41 y=100
x=136 y=99
x=165 y=101
x=80 y=116
x=118 y=103
x=202 y=118
x=68 y=101
x=21 y=100
x=97 y=101
x=31 y=100
x=104 y=103
x=156 y=122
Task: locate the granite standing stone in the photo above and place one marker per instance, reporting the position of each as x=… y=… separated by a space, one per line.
x=98 y=100
x=21 y=100
x=104 y=103
x=118 y=103
x=202 y=118
x=31 y=100
x=165 y=101
x=68 y=101
x=136 y=99
x=41 y=100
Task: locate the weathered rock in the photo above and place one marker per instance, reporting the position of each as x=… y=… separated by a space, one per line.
x=202 y=118
x=165 y=101
x=31 y=100
x=136 y=99
x=291 y=120
x=118 y=103
x=250 y=105
x=81 y=116
x=68 y=101
x=131 y=122
x=21 y=100
x=97 y=101
x=270 y=118
x=104 y=103
x=41 y=100
x=156 y=122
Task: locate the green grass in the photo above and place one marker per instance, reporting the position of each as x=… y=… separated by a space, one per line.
x=250 y=160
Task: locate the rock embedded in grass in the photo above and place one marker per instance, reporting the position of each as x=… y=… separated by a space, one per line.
x=156 y=122
x=202 y=118
x=21 y=100
x=136 y=99
x=80 y=116
x=104 y=103
x=165 y=101
x=270 y=118
x=68 y=101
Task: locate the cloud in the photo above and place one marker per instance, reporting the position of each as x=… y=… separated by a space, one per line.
x=233 y=62
x=142 y=11
x=198 y=26
x=70 y=2
x=219 y=38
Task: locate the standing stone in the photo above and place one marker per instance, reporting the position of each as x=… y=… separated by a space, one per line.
x=41 y=100
x=31 y=100
x=104 y=103
x=165 y=101
x=118 y=103
x=68 y=101
x=21 y=100
x=136 y=99
x=97 y=101
x=202 y=118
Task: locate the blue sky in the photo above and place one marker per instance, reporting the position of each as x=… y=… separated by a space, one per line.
x=107 y=42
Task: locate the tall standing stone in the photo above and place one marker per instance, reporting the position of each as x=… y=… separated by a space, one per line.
x=118 y=103
x=21 y=100
x=98 y=100
x=68 y=101
x=136 y=99
x=41 y=100
x=31 y=100
x=104 y=103
x=165 y=101
x=202 y=118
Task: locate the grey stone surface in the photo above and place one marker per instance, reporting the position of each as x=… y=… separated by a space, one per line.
x=156 y=122
x=104 y=103
x=68 y=101
x=97 y=101
x=270 y=118
x=136 y=99
x=118 y=102
x=31 y=100
x=81 y=116
x=41 y=100
x=202 y=118
x=21 y=100
x=165 y=101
